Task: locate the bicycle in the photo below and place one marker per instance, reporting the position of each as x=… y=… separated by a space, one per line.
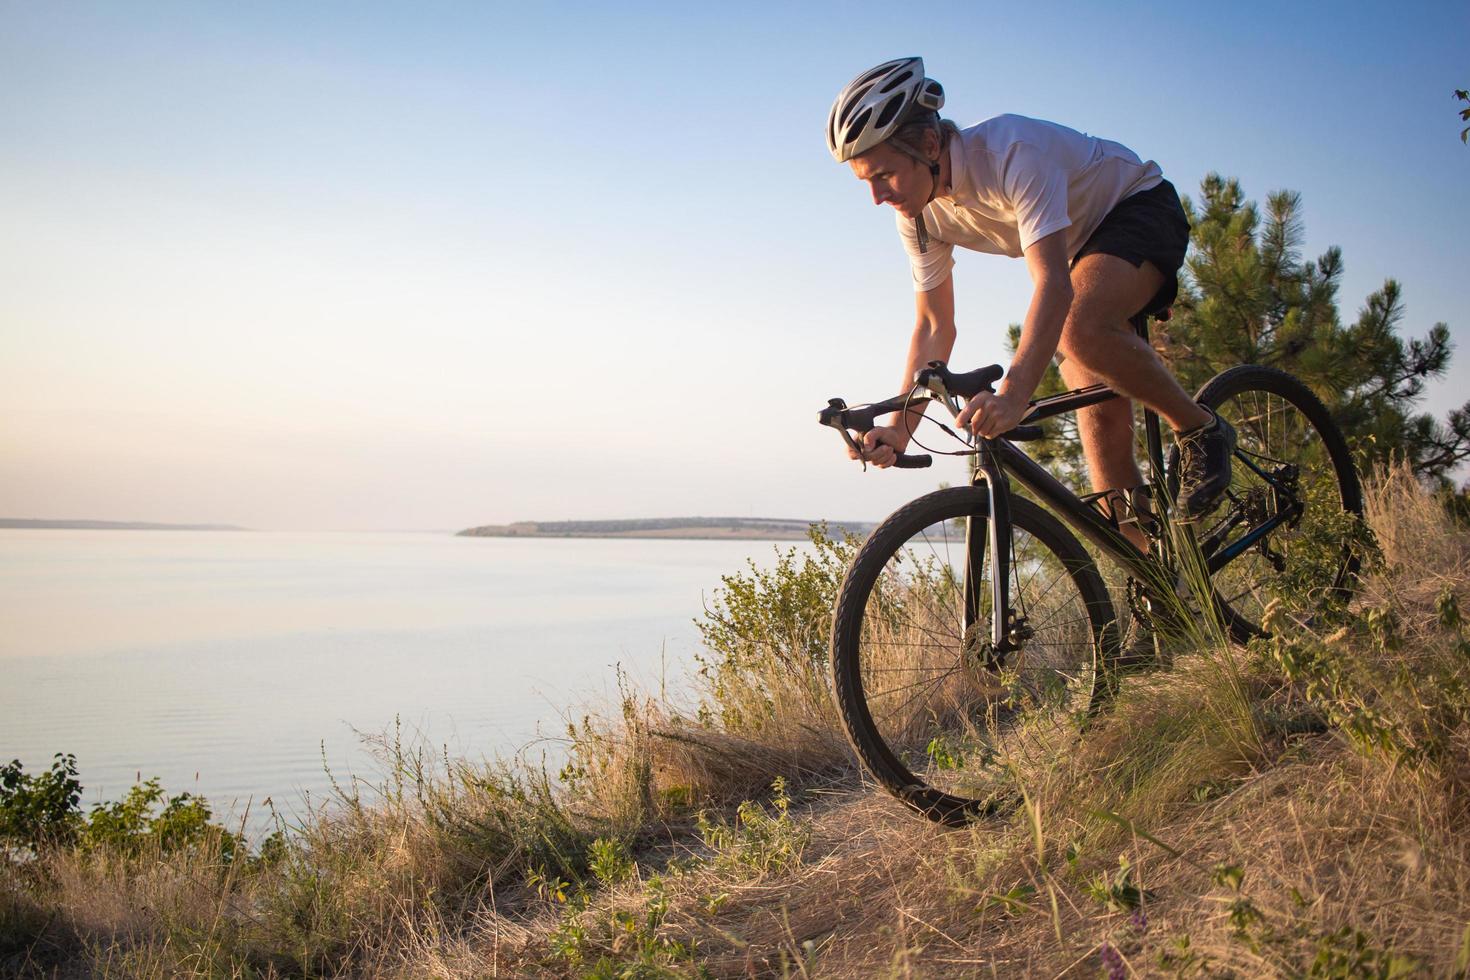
x=970 y=610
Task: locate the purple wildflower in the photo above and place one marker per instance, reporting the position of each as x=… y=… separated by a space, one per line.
x=1112 y=960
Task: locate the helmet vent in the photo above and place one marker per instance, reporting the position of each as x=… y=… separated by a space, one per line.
x=876 y=73
x=858 y=125
x=896 y=81
x=853 y=104
x=931 y=95
x=889 y=110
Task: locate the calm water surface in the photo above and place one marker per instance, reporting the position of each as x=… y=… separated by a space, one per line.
x=230 y=663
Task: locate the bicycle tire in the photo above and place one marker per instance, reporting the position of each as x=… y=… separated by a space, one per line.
x=1279 y=420
x=1051 y=684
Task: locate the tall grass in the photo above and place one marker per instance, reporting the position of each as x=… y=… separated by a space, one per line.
x=758 y=706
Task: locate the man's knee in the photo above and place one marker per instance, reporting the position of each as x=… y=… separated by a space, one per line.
x=1087 y=337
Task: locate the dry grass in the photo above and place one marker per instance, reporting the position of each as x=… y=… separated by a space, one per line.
x=1250 y=845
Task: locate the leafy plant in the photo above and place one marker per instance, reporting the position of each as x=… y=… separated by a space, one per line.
x=1015 y=900
x=127 y=825
x=1116 y=892
x=40 y=811
x=1350 y=953
x=764 y=627
x=639 y=946
x=609 y=861
x=758 y=840
x=1383 y=705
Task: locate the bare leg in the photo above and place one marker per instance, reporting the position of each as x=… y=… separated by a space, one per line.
x=1106 y=431
x=1099 y=344
x=1108 y=290
x=1107 y=434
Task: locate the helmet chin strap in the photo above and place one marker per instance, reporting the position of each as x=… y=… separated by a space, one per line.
x=933 y=193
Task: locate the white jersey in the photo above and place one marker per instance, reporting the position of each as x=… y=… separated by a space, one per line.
x=1015 y=180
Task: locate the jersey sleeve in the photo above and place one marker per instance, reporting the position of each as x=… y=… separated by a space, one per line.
x=1036 y=188
x=930 y=267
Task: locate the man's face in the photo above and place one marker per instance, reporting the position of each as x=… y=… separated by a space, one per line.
x=895 y=178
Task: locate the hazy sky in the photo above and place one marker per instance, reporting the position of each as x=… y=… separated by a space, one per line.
x=361 y=265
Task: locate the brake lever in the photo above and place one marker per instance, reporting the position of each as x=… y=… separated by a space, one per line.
x=832 y=416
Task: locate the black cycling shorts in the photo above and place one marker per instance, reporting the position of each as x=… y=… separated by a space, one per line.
x=1148 y=226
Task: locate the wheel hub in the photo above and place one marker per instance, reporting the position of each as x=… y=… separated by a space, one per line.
x=981 y=654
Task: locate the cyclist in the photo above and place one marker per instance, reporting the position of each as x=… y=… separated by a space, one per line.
x=1103 y=235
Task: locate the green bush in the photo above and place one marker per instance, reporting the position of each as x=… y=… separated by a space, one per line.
x=758 y=840
x=40 y=811
x=763 y=626
x=786 y=608
x=43 y=811
x=130 y=824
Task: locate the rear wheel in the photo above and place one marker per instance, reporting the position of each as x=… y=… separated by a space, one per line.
x=932 y=710
x=1292 y=469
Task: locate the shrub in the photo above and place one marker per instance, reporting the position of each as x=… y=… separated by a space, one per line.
x=766 y=633
x=758 y=840
x=129 y=825
x=40 y=811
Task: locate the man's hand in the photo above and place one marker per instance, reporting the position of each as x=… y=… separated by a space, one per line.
x=881 y=446
x=990 y=414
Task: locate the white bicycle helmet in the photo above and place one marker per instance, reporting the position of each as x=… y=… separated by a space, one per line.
x=874 y=105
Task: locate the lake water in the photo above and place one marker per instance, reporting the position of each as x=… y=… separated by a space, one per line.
x=230 y=664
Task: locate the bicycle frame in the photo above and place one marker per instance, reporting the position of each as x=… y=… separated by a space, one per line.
x=998 y=460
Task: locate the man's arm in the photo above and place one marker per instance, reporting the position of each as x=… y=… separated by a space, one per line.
x=932 y=340
x=1051 y=298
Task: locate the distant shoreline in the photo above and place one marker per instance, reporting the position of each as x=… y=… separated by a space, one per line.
x=43 y=524
x=685 y=528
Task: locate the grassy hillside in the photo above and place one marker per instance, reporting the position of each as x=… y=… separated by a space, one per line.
x=1298 y=808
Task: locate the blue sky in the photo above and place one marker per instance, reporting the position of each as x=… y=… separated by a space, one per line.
x=370 y=265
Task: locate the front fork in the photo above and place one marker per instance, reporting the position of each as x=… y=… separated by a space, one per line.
x=997 y=539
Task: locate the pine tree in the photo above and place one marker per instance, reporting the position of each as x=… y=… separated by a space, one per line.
x=1246 y=297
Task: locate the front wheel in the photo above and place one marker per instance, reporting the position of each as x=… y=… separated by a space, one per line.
x=934 y=712
x=1291 y=523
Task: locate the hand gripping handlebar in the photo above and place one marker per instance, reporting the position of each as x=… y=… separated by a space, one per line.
x=863 y=418
x=943 y=385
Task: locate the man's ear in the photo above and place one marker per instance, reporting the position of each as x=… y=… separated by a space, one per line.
x=931 y=144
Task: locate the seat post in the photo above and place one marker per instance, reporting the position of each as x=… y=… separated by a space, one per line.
x=1153 y=433
x=1140 y=324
